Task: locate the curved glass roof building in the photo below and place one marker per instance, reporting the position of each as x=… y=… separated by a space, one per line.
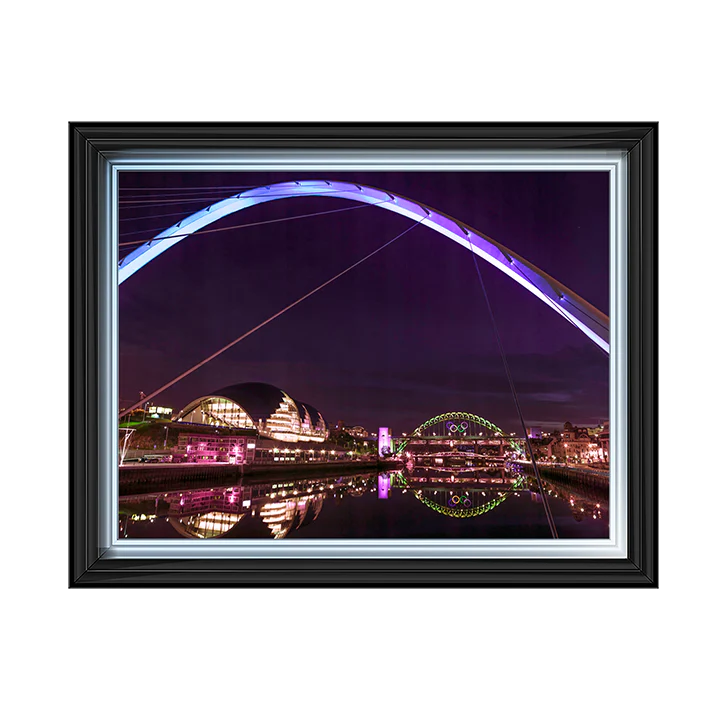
x=261 y=407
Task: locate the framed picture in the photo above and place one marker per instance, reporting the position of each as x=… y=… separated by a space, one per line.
x=363 y=354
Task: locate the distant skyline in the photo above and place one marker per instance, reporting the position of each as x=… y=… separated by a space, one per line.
x=401 y=338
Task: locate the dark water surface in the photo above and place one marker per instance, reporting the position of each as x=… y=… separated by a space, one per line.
x=369 y=506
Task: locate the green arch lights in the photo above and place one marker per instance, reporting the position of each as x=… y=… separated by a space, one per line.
x=460 y=512
x=458 y=417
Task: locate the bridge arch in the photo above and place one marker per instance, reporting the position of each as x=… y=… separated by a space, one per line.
x=455 y=417
x=592 y=322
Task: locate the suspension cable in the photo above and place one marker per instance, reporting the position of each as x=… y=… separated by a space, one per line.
x=140 y=402
x=248 y=225
x=155 y=215
x=163 y=189
x=209 y=199
x=193 y=191
x=545 y=503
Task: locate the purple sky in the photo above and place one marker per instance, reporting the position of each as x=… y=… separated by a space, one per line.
x=404 y=336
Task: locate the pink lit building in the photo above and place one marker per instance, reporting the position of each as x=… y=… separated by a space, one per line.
x=194 y=447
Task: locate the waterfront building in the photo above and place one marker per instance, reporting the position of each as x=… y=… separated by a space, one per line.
x=268 y=450
x=261 y=408
x=577 y=445
x=543 y=448
x=209 y=448
x=605 y=442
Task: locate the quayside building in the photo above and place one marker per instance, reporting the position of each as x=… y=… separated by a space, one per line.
x=265 y=424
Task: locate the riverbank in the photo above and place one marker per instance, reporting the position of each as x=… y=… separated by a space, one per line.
x=556 y=473
x=138 y=478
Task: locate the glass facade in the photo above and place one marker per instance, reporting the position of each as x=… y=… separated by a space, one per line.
x=291 y=421
x=219 y=412
x=284 y=424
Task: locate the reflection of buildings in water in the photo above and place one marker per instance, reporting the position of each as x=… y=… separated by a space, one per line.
x=283 y=516
x=217 y=499
x=286 y=506
x=209 y=524
x=207 y=513
x=582 y=509
x=384 y=485
x=585 y=499
x=216 y=512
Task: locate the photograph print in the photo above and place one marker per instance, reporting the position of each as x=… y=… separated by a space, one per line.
x=364 y=355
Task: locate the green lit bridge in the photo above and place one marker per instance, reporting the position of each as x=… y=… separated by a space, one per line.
x=454 y=436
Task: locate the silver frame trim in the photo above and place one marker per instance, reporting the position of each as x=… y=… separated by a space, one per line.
x=331 y=160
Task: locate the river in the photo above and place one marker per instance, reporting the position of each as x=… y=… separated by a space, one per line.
x=389 y=505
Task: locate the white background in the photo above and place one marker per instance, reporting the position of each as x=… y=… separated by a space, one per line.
x=348 y=655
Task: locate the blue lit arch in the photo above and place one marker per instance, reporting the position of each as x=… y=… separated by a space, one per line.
x=592 y=322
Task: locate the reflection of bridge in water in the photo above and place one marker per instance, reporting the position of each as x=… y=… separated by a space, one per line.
x=459 y=496
x=278 y=509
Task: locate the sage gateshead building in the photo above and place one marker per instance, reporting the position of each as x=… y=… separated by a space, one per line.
x=263 y=408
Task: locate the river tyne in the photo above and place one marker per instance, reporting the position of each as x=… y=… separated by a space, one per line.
x=392 y=504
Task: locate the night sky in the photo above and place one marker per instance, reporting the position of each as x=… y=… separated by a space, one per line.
x=401 y=338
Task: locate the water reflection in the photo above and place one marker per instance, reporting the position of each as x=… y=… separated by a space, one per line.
x=457 y=498
x=282 y=517
x=586 y=500
x=219 y=512
x=394 y=504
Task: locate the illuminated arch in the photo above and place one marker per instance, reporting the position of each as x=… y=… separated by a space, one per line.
x=453 y=416
x=460 y=512
x=592 y=322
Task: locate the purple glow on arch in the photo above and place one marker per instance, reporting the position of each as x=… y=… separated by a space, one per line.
x=537 y=282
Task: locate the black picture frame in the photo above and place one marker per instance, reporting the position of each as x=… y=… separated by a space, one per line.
x=90 y=144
